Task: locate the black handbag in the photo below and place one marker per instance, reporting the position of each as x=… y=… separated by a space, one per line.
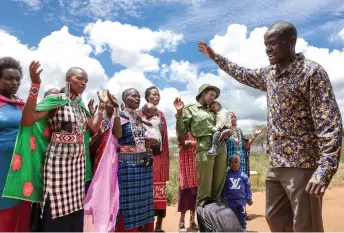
x=147 y=160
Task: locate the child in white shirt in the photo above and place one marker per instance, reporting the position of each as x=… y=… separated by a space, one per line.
x=223 y=121
x=151 y=122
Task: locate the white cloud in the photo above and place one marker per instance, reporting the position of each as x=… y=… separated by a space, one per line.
x=183 y=71
x=72 y=11
x=166 y=103
x=107 y=9
x=341 y=34
x=213 y=17
x=133 y=79
x=61 y=50
x=249 y=51
x=32 y=4
x=57 y=52
x=246 y=50
x=129 y=45
x=171 y=131
x=128 y=79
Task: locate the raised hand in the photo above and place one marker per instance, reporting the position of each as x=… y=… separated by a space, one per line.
x=91 y=107
x=204 y=48
x=102 y=95
x=258 y=131
x=179 y=105
x=35 y=74
x=112 y=99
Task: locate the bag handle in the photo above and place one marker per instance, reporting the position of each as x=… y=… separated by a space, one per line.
x=206 y=201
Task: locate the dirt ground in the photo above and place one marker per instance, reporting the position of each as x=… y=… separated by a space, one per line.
x=333 y=212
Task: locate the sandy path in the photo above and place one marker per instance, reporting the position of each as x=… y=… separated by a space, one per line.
x=333 y=213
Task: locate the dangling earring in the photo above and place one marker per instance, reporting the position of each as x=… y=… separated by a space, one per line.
x=67 y=89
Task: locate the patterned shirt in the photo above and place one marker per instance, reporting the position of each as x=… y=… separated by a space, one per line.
x=304 y=121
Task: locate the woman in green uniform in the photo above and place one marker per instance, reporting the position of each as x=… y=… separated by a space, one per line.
x=211 y=170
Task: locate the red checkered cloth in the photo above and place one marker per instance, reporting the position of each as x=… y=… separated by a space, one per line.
x=187 y=164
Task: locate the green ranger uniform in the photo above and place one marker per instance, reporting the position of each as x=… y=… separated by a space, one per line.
x=211 y=169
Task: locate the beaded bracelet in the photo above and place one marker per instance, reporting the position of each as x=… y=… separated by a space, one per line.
x=34 y=90
x=116 y=112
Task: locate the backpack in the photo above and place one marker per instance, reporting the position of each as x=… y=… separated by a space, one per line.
x=214 y=216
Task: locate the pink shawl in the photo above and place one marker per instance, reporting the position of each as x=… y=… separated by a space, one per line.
x=19 y=103
x=102 y=199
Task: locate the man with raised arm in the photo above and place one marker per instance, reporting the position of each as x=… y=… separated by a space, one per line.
x=304 y=129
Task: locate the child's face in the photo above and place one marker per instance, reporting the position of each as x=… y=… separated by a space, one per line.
x=215 y=108
x=150 y=112
x=233 y=119
x=234 y=163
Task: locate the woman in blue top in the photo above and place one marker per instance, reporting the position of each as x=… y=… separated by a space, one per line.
x=14 y=214
x=237 y=144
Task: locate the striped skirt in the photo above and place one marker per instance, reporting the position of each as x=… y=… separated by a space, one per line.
x=136 y=191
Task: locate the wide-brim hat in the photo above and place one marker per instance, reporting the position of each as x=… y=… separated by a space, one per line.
x=205 y=87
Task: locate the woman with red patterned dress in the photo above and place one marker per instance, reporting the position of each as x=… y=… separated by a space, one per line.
x=161 y=167
x=187 y=171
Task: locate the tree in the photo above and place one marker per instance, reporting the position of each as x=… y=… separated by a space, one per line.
x=261 y=140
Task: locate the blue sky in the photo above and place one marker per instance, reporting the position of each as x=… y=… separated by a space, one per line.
x=319 y=23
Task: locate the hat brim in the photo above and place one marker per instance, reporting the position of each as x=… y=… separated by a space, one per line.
x=216 y=89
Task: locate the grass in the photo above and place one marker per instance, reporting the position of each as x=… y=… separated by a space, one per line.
x=172 y=185
x=338 y=178
x=258 y=162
